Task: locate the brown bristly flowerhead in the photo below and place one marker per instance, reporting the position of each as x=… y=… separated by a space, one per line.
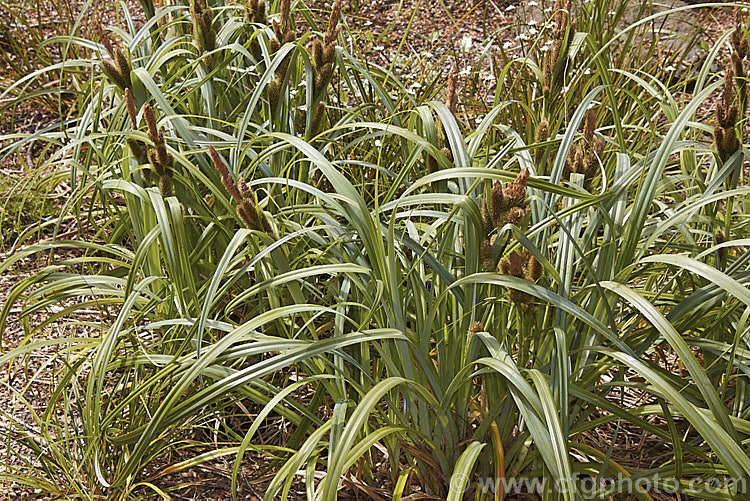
x=245 y=190
x=139 y=151
x=164 y=157
x=488 y=225
x=286 y=9
x=123 y=66
x=317 y=121
x=317 y=52
x=515 y=264
x=589 y=126
x=153 y=159
x=738 y=37
x=515 y=192
x=248 y=214
x=104 y=38
x=323 y=77
x=451 y=93
x=485 y=255
x=533 y=270
x=150 y=117
x=474 y=328
x=504 y=265
x=113 y=72
x=498 y=204
x=226 y=178
x=542 y=131
x=165 y=185
x=130 y=107
x=525 y=267
x=274 y=94
x=329 y=54
x=332 y=32
x=515 y=216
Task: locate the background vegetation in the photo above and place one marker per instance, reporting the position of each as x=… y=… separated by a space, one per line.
x=274 y=232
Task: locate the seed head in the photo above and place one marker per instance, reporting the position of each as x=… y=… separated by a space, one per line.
x=130 y=106
x=542 y=131
x=317 y=52
x=332 y=32
x=589 y=126
x=488 y=225
x=226 y=178
x=498 y=204
x=515 y=216
x=317 y=121
x=474 y=328
x=451 y=97
x=165 y=185
x=248 y=214
x=533 y=270
x=485 y=255
x=138 y=150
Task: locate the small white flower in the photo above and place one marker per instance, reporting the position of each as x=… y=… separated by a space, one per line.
x=303 y=83
x=302 y=107
x=378 y=48
x=587 y=71
x=565 y=89
x=533 y=31
x=489 y=77
x=533 y=22
x=670 y=68
x=744 y=9
x=378 y=144
x=612 y=13
x=465 y=72
x=465 y=43
x=548 y=9
x=544 y=48
x=533 y=3
x=510 y=7
x=523 y=37
x=411 y=92
x=508 y=45
x=367 y=23
x=478 y=120
x=416 y=85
